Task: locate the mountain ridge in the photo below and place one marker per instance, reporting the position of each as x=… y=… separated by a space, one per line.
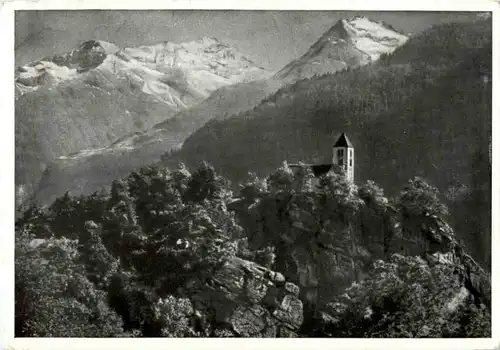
x=223 y=103
x=348 y=43
x=89 y=97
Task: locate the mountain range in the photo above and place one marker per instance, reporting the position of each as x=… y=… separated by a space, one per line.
x=349 y=43
x=88 y=98
x=418 y=106
x=204 y=230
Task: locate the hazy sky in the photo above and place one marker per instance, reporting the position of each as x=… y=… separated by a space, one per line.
x=270 y=38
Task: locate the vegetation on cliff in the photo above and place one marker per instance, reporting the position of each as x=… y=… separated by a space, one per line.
x=177 y=254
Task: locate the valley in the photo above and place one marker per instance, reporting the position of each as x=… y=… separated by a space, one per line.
x=147 y=146
x=176 y=188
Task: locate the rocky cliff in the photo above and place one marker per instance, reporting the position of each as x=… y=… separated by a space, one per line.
x=177 y=255
x=244 y=299
x=329 y=241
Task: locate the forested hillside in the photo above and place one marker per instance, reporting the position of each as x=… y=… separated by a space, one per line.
x=424 y=110
x=348 y=43
x=177 y=254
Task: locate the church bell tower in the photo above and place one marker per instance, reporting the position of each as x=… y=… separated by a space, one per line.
x=343 y=156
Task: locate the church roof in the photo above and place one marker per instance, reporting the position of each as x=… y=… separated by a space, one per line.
x=343 y=141
x=320 y=169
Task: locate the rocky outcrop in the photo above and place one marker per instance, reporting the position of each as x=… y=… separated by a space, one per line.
x=321 y=253
x=244 y=299
x=406 y=296
x=324 y=249
x=429 y=234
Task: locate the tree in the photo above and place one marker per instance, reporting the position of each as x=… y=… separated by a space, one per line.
x=419 y=199
x=253 y=188
x=36 y=221
x=99 y=263
x=303 y=178
x=66 y=218
x=340 y=195
x=120 y=218
x=408 y=297
x=92 y=207
x=181 y=177
x=153 y=192
x=372 y=194
x=175 y=315
x=205 y=183
x=281 y=180
x=53 y=296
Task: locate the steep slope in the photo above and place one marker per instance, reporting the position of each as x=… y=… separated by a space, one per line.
x=91 y=96
x=425 y=110
x=335 y=239
x=173 y=254
x=88 y=171
x=348 y=43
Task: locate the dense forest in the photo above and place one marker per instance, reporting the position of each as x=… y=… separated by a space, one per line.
x=170 y=253
x=424 y=110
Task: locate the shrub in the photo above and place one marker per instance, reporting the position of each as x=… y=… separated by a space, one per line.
x=53 y=296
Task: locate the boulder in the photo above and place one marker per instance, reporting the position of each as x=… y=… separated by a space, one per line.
x=249 y=300
x=292 y=288
x=249 y=321
x=290 y=312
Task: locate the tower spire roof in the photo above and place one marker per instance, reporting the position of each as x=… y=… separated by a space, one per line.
x=343 y=141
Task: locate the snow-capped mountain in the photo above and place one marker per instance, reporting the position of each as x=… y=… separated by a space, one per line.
x=176 y=74
x=97 y=93
x=348 y=43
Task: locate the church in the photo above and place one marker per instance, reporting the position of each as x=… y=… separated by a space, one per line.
x=342 y=161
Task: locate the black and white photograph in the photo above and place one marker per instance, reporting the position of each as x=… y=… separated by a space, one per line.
x=252 y=173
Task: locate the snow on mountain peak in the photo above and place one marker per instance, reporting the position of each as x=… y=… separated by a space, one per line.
x=350 y=42
x=484 y=15
x=96 y=46
x=210 y=40
x=108 y=47
x=42 y=73
x=376 y=28
x=373 y=38
x=205 y=58
x=177 y=74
